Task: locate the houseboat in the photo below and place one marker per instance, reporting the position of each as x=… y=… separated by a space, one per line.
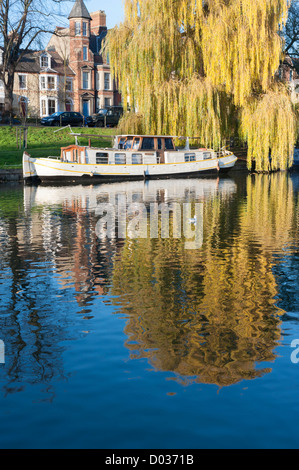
x=131 y=157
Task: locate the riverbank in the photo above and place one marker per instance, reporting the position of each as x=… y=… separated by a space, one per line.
x=11 y=175
x=42 y=142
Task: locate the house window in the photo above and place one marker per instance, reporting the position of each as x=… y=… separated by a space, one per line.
x=106 y=81
x=51 y=83
x=85 y=80
x=84 y=28
x=22 y=82
x=68 y=85
x=44 y=61
x=51 y=106
x=84 y=52
x=77 y=28
x=42 y=83
x=43 y=107
x=107 y=102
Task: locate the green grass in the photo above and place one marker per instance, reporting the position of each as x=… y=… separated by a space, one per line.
x=44 y=142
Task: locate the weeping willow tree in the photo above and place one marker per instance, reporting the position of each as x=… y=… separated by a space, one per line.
x=206 y=68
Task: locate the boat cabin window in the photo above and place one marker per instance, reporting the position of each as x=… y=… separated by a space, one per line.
x=189 y=157
x=148 y=143
x=136 y=143
x=169 y=144
x=120 y=158
x=101 y=158
x=121 y=143
x=136 y=158
x=207 y=155
x=128 y=143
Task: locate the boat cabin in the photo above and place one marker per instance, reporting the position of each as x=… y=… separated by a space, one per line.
x=134 y=150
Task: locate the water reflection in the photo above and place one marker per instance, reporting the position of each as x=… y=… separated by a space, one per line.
x=207 y=314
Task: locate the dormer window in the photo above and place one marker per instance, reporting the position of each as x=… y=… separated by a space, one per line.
x=45 y=61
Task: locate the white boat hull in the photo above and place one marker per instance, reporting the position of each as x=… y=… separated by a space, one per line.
x=52 y=169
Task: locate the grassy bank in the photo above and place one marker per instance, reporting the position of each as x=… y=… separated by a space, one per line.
x=43 y=142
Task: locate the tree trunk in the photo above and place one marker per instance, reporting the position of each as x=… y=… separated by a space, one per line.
x=8 y=99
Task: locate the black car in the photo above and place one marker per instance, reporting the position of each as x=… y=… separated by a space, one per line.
x=106 y=117
x=63 y=118
x=9 y=120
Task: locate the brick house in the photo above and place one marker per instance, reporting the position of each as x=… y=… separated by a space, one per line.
x=81 y=44
x=70 y=74
x=288 y=72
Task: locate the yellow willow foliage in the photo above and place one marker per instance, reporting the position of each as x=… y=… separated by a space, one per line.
x=241 y=47
x=181 y=101
x=269 y=123
x=183 y=64
x=270 y=211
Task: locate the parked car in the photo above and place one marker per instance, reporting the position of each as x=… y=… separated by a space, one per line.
x=7 y=120
x=106 y=117
x=63 y=118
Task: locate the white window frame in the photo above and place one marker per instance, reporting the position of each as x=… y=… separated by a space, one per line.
x=41 y=106
x=45 y=56
x=98 y=80
x=77 y=28
x=22 y=75
x=85 y=53
x=46 y=99
x=84 y=28
x=88 y=80
x=46 y=77
x=42 y=80
x=55 y=82
x=70 y=81
x=109 y=84
x=55 y=105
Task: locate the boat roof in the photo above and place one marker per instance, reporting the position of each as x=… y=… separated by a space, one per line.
x=147 y=135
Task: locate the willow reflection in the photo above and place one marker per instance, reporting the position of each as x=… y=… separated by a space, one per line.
x=210 y=314
x=207 y=314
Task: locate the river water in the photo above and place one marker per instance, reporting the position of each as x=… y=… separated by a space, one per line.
x=154 y=315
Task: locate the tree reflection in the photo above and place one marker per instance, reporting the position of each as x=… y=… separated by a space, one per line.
x=207 y=315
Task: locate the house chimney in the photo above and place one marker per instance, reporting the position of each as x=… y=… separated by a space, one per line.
x=98 y=22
